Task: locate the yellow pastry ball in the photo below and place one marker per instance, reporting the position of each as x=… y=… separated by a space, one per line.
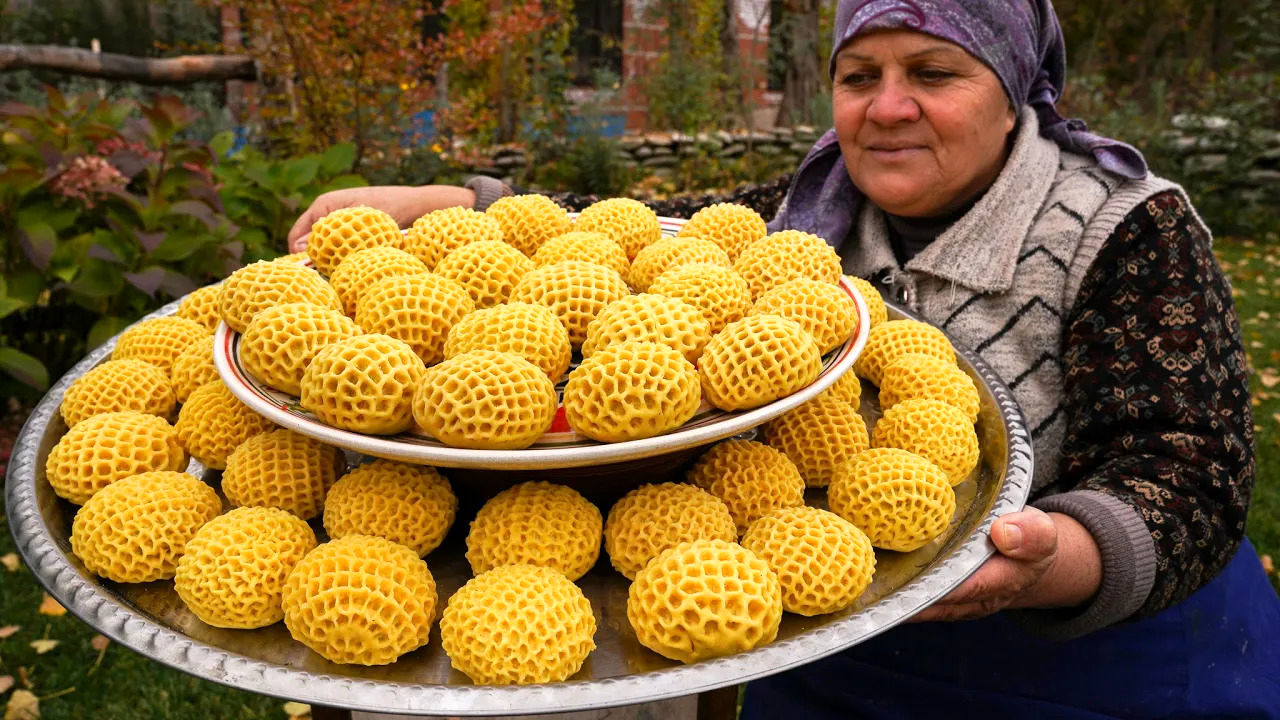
x=631 y=390
x=531 y=331
x=575 y=291
x=440 y=232
x=629 y=222
x=823 y=561
x=669 y=252
x=732 y=227
x=652 y=518
x=719 y=292
x=899 y=499
x=917 y=376
x=847 y=389
x=892 y=339
x=488 y=269
x=818 y=436
x=876 y=309
x=934 y=430
x=201 y=307
x=751 y=478
x=135 y=529
x=592 y=247
x=282 y=469
x=115 y=386
x=757 y=360
x=784 y=256
x=703 y=599
x=360 y=600
x=159 y=341
x=364 y=384
x=233 y=571
x=108 y=447
x=254 y=288
x=213 y=423
x=824 y=310
x=192 y=368
x=528 y=221
x=348 y=230
x=652 y=318
x=280 y=341
x=298 y=258
x=485 y=399
x=538 y=523
x=418 y=309
x=413 y=505
x=518 y=625
x=367 y=269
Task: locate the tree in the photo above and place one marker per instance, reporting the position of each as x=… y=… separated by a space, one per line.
x=798 y=37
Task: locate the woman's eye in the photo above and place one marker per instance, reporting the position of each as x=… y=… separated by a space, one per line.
x=856 y=79
x=934 y=75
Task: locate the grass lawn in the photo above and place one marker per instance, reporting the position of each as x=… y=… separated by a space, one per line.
x=75 y=680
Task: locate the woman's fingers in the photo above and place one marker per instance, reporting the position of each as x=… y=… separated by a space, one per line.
x=1026 y=535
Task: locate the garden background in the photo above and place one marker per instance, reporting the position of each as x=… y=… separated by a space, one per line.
x=117 y=197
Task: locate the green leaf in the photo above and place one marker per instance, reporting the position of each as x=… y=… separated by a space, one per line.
x=222 y=142
x=178 y=246
x=342 y=182
x=105 y=328
x=25 y=368
x=97 y=279
x=38 y=243
x=24 y=285
x=301 y=171
x=338 y=158
x=9 y=304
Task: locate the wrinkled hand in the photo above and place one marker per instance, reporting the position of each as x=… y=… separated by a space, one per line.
x=405 y=203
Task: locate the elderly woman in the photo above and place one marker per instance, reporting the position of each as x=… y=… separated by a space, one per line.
x=1090 y=287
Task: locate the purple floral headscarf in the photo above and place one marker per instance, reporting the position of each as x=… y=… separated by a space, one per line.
x=1020 y=40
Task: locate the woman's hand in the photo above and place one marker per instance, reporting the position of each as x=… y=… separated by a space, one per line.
x=405 y=203
x=1045 y=560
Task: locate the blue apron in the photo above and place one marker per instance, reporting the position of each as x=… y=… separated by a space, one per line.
x=1214 y=655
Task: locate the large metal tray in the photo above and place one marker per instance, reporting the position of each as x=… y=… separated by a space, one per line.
x=150 y=619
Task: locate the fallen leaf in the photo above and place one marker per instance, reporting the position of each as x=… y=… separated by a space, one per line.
x=1263 y=314
x=6 y=682
x=1267 y=566
x=23 y=705
x=49 y=606
x=1268 y=377
x=24 y=678
x=10 y=562
x=296 y=709
x=9 y=630
x=1276 y=417
x=100 y=642
x=43 y=646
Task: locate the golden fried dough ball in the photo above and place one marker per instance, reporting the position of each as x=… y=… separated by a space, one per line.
x=280 y=341
x=348 y=230
x=751 y=478
x=110 y=446
x=823 y=561
x=485 y=399
x=158 y=341
x=876 y=309
x=892 y=339
x=201 y=306
x=364 y=384
x=934 y=430
x=538 y=523
x=592 y=247
x=719 y=292
x=784 y=256
x=488 y=269
x=413 y=505
x=899 y=499
x=818 y=436
x=629 y=222
x=192 y=368
x=528 y=221
x=847 y=389
x=440 y=232
x=652 y=318
x=531 y=331
x=631 y=390
x=824 y=310
x=732 y=227
x=282 y=469
x=916 y=376
x=254 y=288
x=366 y=269
x=213 y=423
x=575 y=291
x=652 y=518
x=417 y=309
x=670 y=252
x=115 y=386
x=757 y=360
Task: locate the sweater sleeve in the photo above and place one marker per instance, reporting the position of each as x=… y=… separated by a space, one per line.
x=764 y=198
x=1158 y=458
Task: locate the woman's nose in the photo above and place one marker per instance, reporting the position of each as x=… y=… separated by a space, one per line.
x=893 y=104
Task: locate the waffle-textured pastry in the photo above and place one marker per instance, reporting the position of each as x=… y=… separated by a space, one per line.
x=818 y=436
x=757 y=360
x=539 y=523
x=488 y=269
x=118 y=385
x=298 y=258
x=703 y=599
x=418 y=309
x=719 y=292
x=785 y=256
x=413 y=505
x=575 y=291
x=824 y=310
x=918 y=376
x=751 y=478
x=652 y=318
x=892 y=339
x=823 y=561
x=592 y=247
x=899 y=499
x=233 y=571
x=652 y=518
x=934 y=430
x=518 y=625
x=366 y=269
x=280 y=341
x=282 y=469
x=254 y=288
x=729 y=225
x=364 y=384
x=136 y=528
x=201 y=306
x=629 y=222
x=213 y=422
x=876 y=310
x=531 y=331
x=158 y=340
x=485 y=399
x=440 y=232
x=360 y=600
x=528 y=221
x=108 y=447
x=670 y=252
x=847 y=389
x=192 y=368
x=348 y=230
x=631 y=390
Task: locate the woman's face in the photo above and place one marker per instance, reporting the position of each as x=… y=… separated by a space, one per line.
x=922 y=124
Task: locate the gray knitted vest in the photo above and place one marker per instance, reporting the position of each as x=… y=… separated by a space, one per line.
x=1003 y=279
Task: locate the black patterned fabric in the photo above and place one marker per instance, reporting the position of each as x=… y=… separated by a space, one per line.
x=763 y=197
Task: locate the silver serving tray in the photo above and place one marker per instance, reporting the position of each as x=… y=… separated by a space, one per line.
x=151 y=620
